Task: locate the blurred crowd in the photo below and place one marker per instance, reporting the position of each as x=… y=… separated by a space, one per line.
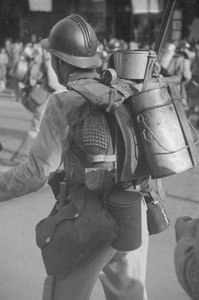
x=175 y=59
x=8 y=53
x=26 y=70
x=11 y=53
x=182 y=59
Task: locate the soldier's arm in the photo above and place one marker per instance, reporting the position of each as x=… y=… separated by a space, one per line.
x=43 y=158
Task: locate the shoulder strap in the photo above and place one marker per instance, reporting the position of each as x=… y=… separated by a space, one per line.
x=82 y=90
x=116 y=96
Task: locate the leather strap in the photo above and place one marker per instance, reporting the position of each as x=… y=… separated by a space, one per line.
x=82 y=90
x=160 y=189
x=101 y=158
x=184 y=125
x=148 y=74
x=53 y=287
x=106 y=102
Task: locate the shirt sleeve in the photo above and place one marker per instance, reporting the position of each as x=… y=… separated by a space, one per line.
x=45 y=153
x=187 y=265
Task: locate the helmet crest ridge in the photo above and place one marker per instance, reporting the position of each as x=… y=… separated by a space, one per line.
x=85 y=31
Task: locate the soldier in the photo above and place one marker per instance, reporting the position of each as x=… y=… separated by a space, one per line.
x=67 y=121
x=180 y=65
x=186 y=255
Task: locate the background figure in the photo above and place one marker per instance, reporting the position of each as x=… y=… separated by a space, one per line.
x=3 y=68
x=179 y=64
x=36 y=74
x=14 y=52
x=186 y=255
x=8 y=47
x=166 y=55
x=192 y=87
x=103 y=53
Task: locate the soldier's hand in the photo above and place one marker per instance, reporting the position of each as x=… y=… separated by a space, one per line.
x=186 y=227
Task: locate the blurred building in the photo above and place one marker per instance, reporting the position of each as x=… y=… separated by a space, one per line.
x=137 y=20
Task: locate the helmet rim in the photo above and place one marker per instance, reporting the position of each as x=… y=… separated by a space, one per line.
x=77 y=61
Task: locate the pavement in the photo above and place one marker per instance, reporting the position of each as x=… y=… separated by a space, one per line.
x=21 y=268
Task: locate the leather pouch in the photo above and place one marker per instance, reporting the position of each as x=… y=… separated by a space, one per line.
x=72 y=237
x=157 y=218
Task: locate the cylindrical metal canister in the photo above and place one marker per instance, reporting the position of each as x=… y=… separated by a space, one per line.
x=125 y=207
x=131 y=64
x=163 y=139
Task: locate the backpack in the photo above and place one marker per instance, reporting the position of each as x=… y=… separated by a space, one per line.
x=148 y=128
x=121 y=148
x=121 y=161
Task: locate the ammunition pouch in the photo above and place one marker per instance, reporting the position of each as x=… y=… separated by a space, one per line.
x=157 y=218
x=75 y=234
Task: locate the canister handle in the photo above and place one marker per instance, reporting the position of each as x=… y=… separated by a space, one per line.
x=193 y=128
x=140 y=119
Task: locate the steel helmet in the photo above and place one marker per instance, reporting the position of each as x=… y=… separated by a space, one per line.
x=114 y=44
x=74 y=41
x=183 y=44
